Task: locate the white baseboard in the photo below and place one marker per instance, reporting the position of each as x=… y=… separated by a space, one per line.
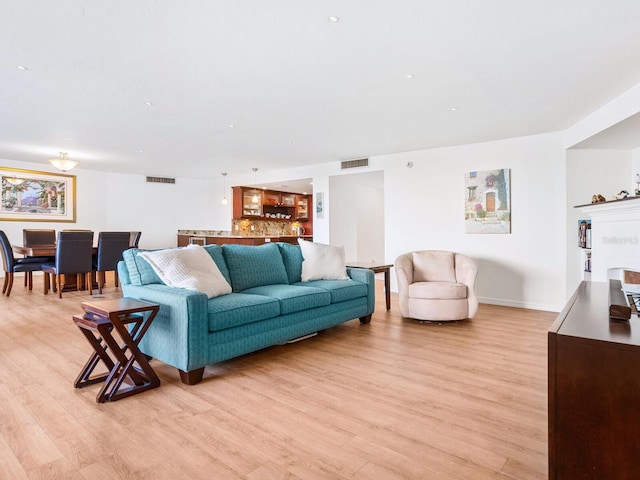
x=527 y=305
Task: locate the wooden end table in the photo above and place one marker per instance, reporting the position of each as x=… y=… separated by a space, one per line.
x=378 y=268
x=129 y=369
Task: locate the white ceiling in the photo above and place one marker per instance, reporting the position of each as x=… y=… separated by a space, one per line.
x=297 y=88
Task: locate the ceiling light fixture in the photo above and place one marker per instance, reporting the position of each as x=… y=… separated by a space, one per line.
x=334 y=19
x=409 y=76
x=22 y=67
x=62 y=162
x=255 y=198
x=224 y=189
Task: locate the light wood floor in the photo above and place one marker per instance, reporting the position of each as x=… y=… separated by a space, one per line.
x=394 y=399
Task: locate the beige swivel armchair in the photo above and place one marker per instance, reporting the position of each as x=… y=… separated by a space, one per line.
x=436 y=285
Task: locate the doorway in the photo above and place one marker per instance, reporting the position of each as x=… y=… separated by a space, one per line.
x=356 y=215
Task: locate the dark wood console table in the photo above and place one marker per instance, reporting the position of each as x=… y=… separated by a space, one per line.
x=594 y=390
x=129 y=371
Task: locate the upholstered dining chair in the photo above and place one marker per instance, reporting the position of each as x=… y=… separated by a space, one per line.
x=74 y=255
x=110 y=248
x=436 y=285
x=14 y=265
x=134 y=239
x=38 y=236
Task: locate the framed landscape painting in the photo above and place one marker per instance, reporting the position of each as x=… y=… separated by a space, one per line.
x=488 y=201
x=32 y=196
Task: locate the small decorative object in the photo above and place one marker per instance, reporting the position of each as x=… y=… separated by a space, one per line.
x=622 y=194
x=637 y=192
x=597 y=198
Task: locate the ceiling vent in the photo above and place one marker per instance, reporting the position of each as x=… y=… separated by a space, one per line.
x=161 y=180
x=361 y=162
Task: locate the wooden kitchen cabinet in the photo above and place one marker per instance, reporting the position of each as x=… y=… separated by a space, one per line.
x=302 y=207
x=247 y=202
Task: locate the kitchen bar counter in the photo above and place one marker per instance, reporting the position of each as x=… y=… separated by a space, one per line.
x=205 y=237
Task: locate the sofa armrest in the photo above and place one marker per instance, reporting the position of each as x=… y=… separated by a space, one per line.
x=179 y=334
x=466 y=273
x=404 y=275
x=367 y=276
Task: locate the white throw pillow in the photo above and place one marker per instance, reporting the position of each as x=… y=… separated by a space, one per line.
x=190 y=267
x=322 y=262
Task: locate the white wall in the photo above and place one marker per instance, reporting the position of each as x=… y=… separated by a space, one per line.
x=108 y=201
x=590 y=172
x=425 y=210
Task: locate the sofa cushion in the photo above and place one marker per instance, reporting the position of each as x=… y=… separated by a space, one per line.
x=293 y=298
x=340 y=290
x=238 y=309
x=433 y=266
x=438 y=290
x=292 y=258
x=254 y=266
x=190 y=267
x=322 y=262
x=216 y=253
x=140 y=271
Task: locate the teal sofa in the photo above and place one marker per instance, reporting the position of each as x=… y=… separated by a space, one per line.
x=269 y=305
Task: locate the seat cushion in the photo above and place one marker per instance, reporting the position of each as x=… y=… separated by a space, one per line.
x=238 y=309
x=293 y=298
x=251 y=266
x=433 y=266
x=340 y=290
x=438 y=290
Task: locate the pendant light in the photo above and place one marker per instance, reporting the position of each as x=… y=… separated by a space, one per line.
x=255 y=198
x=224 y=189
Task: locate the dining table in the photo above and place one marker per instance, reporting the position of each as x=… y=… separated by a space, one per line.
x=35 y=250
x=49 y=250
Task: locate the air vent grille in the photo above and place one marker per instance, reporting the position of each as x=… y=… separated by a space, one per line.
x=361 y=162
x=161 y=180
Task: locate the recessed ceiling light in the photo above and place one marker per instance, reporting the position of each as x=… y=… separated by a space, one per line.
x=453 y=109
x=231 y=125
x=22 y=67
x=149 y=104
x=334 y=19
x=409 y=76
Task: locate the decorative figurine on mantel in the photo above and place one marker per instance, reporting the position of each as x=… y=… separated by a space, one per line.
x=598 y=198
x=622 y=194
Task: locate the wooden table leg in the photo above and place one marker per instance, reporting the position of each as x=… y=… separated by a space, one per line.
x=387 y=287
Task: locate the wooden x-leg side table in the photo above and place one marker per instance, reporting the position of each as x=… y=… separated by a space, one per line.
x=129 y=369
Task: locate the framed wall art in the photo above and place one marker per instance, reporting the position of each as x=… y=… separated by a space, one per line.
x=33 y=196
x=488 y=201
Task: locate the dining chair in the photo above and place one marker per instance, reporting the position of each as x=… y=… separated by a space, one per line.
x=74 y=255
x=110 y=248
x=134 y=239
x=38 y=236
x=14 y=265
x=33 y=236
